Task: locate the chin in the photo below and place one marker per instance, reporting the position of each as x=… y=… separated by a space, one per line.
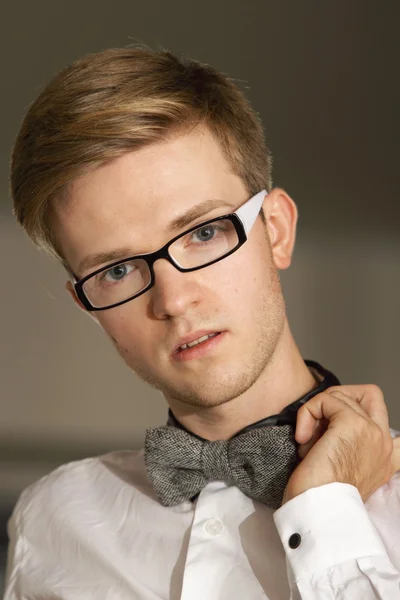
x=211 y=392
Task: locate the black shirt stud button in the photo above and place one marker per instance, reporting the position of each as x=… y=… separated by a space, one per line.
x=295 y=540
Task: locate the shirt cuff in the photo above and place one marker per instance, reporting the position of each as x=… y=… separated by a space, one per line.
x=332 y=526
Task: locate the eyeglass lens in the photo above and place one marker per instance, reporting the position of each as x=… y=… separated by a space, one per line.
x=194 y=249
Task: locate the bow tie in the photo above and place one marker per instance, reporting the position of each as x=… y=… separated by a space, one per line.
x=259 y=459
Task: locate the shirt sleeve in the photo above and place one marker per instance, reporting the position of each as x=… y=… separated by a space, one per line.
x=333 y=550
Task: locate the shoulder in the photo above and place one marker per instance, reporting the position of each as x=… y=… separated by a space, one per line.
x=62 y=520
x=81 y=485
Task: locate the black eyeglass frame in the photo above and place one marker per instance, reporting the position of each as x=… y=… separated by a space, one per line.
x=151 y=257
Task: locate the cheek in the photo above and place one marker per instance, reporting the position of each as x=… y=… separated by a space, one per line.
x=242 y=274
x=123 y=329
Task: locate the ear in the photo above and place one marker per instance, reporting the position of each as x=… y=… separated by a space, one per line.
x=70 y=289
x=281 y=219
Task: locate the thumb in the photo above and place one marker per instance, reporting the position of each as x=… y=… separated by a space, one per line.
x=319 y=429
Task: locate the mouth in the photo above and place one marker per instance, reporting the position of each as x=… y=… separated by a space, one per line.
x=198 y=341
x=199 y=347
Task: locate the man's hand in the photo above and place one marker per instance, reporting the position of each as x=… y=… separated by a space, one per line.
x=344 y=436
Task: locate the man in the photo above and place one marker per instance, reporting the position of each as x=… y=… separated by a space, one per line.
x=148 y=177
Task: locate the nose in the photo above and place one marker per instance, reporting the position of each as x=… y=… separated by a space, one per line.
x=173 y=292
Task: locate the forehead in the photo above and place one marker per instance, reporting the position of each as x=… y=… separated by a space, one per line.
x=118 y=204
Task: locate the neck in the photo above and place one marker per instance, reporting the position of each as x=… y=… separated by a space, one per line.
x=285 y=379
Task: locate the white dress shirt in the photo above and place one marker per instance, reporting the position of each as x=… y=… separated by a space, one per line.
x=93 y=529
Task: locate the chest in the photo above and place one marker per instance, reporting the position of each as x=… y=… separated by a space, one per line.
x=227 y=546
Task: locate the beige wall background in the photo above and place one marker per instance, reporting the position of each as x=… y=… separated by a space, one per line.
x=324 y=78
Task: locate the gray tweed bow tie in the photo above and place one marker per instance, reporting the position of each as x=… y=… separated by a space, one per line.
x=259 y=459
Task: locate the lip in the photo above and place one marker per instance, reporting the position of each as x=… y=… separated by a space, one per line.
x=199 y=350
x=192 y=337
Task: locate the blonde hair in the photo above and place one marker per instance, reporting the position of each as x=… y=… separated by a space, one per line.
x=116 y=101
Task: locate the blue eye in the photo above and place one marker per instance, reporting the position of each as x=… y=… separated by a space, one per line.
x=206 y=233
x=118 y=272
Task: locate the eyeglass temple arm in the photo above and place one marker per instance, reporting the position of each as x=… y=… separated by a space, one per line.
x=249 y=212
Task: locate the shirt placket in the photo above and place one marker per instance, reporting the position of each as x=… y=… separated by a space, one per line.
x=215 y=555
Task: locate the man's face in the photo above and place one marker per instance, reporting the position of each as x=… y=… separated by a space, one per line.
x=128 y=204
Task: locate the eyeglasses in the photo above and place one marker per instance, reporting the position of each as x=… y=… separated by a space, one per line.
x=196 y=248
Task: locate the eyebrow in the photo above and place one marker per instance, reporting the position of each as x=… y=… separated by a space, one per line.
x=198 y=210
x=184 y=220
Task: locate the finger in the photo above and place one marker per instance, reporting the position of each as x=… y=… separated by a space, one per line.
x=322 y=406
x=320 y=428
x=368 y=398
